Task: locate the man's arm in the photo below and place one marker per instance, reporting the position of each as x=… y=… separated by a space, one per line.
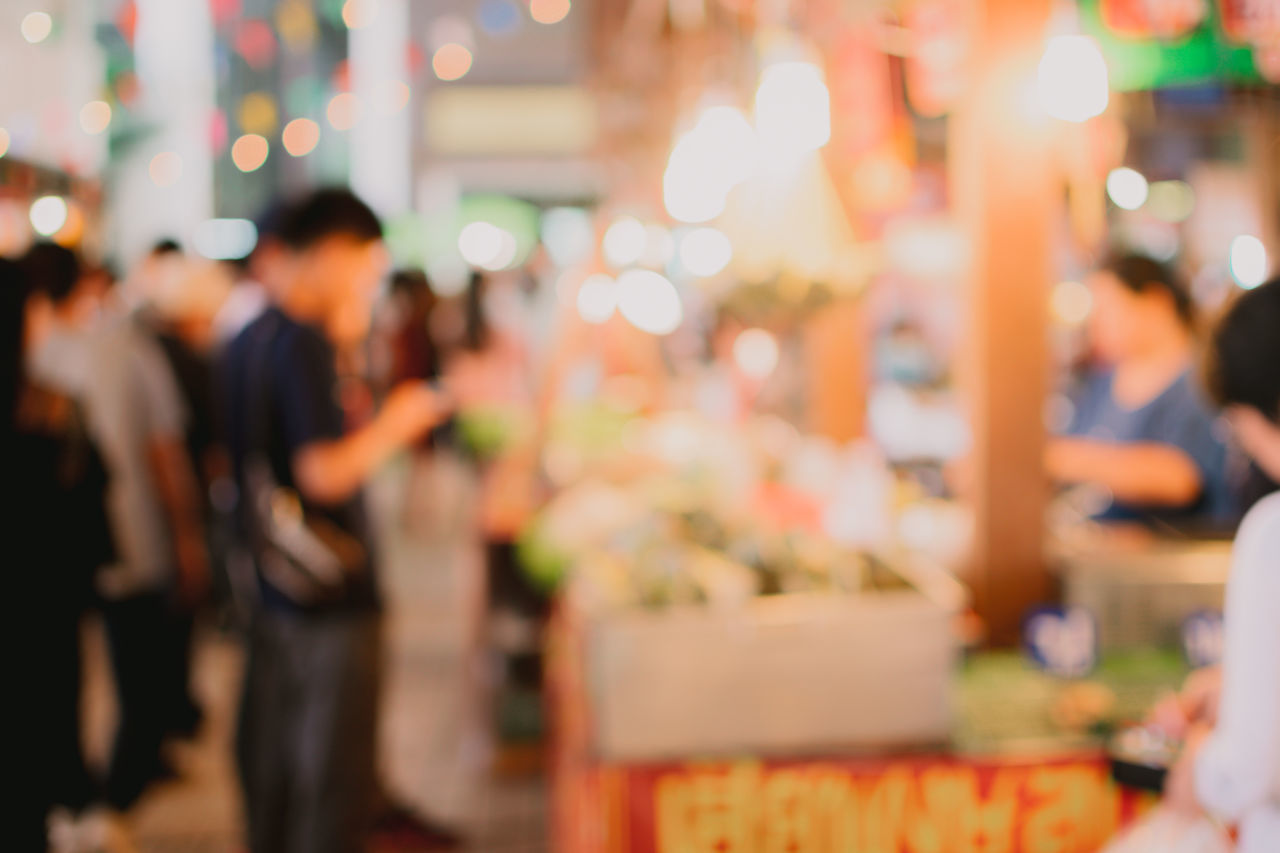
x=329 y=472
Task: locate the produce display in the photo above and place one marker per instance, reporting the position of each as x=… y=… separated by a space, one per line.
x=679 y=510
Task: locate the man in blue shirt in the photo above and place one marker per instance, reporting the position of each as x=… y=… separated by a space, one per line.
x=309 y=713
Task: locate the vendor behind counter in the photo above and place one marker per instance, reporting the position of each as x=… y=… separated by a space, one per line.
x=1142 y=429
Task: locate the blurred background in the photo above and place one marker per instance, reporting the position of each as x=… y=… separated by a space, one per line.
x=774 y=449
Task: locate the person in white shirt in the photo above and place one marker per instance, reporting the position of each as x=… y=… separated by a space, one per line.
x=1230 y=766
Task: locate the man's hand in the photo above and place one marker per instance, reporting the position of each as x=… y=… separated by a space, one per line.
x=1196 y=705
x=330 y=472
x=410 y=410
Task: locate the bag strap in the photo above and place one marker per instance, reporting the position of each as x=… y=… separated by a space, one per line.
x=258 y=397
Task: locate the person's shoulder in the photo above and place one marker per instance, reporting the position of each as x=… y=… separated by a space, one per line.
x=1187 y=390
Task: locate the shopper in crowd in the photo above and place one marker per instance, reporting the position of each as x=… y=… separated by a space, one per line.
x=56 y=536
x=135 y=414
x=180 y=316
x=1230 y=719
x=307 y=731
x=410 y=353
x=1142 y=431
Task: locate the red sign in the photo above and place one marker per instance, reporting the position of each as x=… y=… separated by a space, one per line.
x=1159 y=19
x=923 y=805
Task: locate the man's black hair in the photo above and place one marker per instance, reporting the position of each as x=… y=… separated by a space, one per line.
x=52 y=270
x=1244 y=352
x=1140 y=272
x=328 y=213
x=166 y=246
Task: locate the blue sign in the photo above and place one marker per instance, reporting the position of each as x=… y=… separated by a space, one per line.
x=1061 y=641
x=1202 y=638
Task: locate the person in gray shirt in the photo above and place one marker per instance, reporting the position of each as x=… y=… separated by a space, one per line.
x=135 y=414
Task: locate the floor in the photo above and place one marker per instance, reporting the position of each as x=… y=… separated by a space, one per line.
x=436 y=751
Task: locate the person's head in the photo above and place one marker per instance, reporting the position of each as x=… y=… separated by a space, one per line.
x=336 y=262
x=1244 y=372
x=1138 y=303
x=411 y=288
x=268 y=263
x=56 y=273
x=190 y=301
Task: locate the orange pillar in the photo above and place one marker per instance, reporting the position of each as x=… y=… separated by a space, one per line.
x=1003 y=194
x=836 y=342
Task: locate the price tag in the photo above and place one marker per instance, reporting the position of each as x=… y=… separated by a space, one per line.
x=1062 y=641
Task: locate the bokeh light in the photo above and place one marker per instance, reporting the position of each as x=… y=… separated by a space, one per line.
x=72 y=230
x=597 y=299
x=649 y=302
x=755 y=351
x=225 y=239
x=249 y=152
x=36 y=27
x=1071 y=302
x=705 y=251
x=165 y=169
x=451 y=61
x=256 y=43
x=1248 y=261
x=359 y=13
x=258 y=113
x=296 y=24
x=549 y=11
x=4 y=142
x=450 y=29
x=567 y=234
x=499 y=17
x=1072 y=80
x=300 y=137
x=1127 y=188
x=48 y=215
x=343 y=111
x=707 y=163
x=793 y=108
x=95 y=117
x=1172 y=201
x=624 y=242
x=486 y=246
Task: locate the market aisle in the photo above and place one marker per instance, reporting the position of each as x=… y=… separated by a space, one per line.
x=435 y=753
